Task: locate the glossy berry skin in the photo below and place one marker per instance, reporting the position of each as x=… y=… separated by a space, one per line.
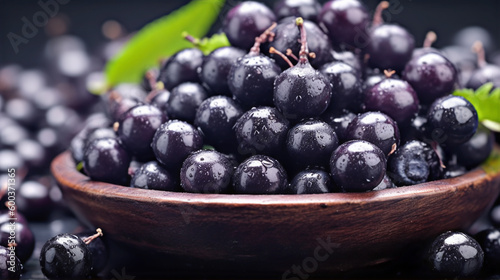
x=206 y=171
x=455 y=254
x=100 y=133
x=349 y=58
x=413 y=163
x=339 y=122
x=306 y=9
x=251 y=80
x=185 y=100
x=487 y=74
x=215 y=68
x=65 y=256
x=10 y=265
x=310 y=144
x=345 y=20
x=97 y=249
x=301 y=92
x=107 y=160
x=390 y=47
x=262 y=130
x=137 y=127
x=181 y=67
x=25 y=239
x=475 y=151
x=151 y=175
x=431 y=75
x=311 y=181
x=160 y=100
x=123 y=97
x=454 y=117
x=287 y=36
x=386 y=183
x=216 y=117
x=34 y=201
x=246 y=21
x=174 y=141
x=489 y=239
x=394 y=97
x=357 y=166
x=376 y=128
x=260 y=174
x=346 y=84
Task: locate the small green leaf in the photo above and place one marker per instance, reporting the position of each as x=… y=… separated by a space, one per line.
x=486 y=100
x=161 y=38
x=207 y=45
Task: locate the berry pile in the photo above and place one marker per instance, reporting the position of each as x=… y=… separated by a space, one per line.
x=304 y=108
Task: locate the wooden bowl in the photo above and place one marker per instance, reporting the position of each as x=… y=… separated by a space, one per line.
x=271 y=233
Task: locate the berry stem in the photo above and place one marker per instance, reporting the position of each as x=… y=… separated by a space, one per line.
x=304 y=49
x=430 y=38
x=290 y=54
x=275 y=51
x=89 y=239
x=265 y=36
x=478 y=48
x=191 y=39
x=389 y=73
x=377 y=16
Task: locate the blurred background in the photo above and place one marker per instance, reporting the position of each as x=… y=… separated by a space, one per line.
x=85 y=20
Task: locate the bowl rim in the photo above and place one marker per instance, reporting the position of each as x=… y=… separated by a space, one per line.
x=64 y=170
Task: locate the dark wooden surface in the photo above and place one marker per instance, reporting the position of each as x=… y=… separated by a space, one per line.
x=273 y=233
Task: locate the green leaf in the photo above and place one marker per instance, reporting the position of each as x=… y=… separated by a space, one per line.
x=161 y=38
x=207 y=45
x=486 y=100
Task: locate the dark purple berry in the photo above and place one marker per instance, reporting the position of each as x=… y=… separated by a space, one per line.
x=261 y=130
x=10 y=265
x=346 y=85
x=394 y=97
x=65 y=256
x=288 y=36
x=24 y=239
x=215 y=69
x=246 y=21
x=206 y=171
x=432 y=76
x=357 y=166
x=345 y=21
x=413 y=163
x=260 y=174
x=311 y=181
x=137 y=128
x=455 y=254
x=185 y=100
x=251 y=80
x=97 y=249
x=306 y=9
x=339 y=122
x=310 y=144
x=376 y=128
x=106 y=160
x=174 y=141
x=454 y=118
x=489 y=239
x=152 y=175
x=181 y=67
x=216 y=117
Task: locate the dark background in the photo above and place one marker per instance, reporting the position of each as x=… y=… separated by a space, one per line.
x=445 y=17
